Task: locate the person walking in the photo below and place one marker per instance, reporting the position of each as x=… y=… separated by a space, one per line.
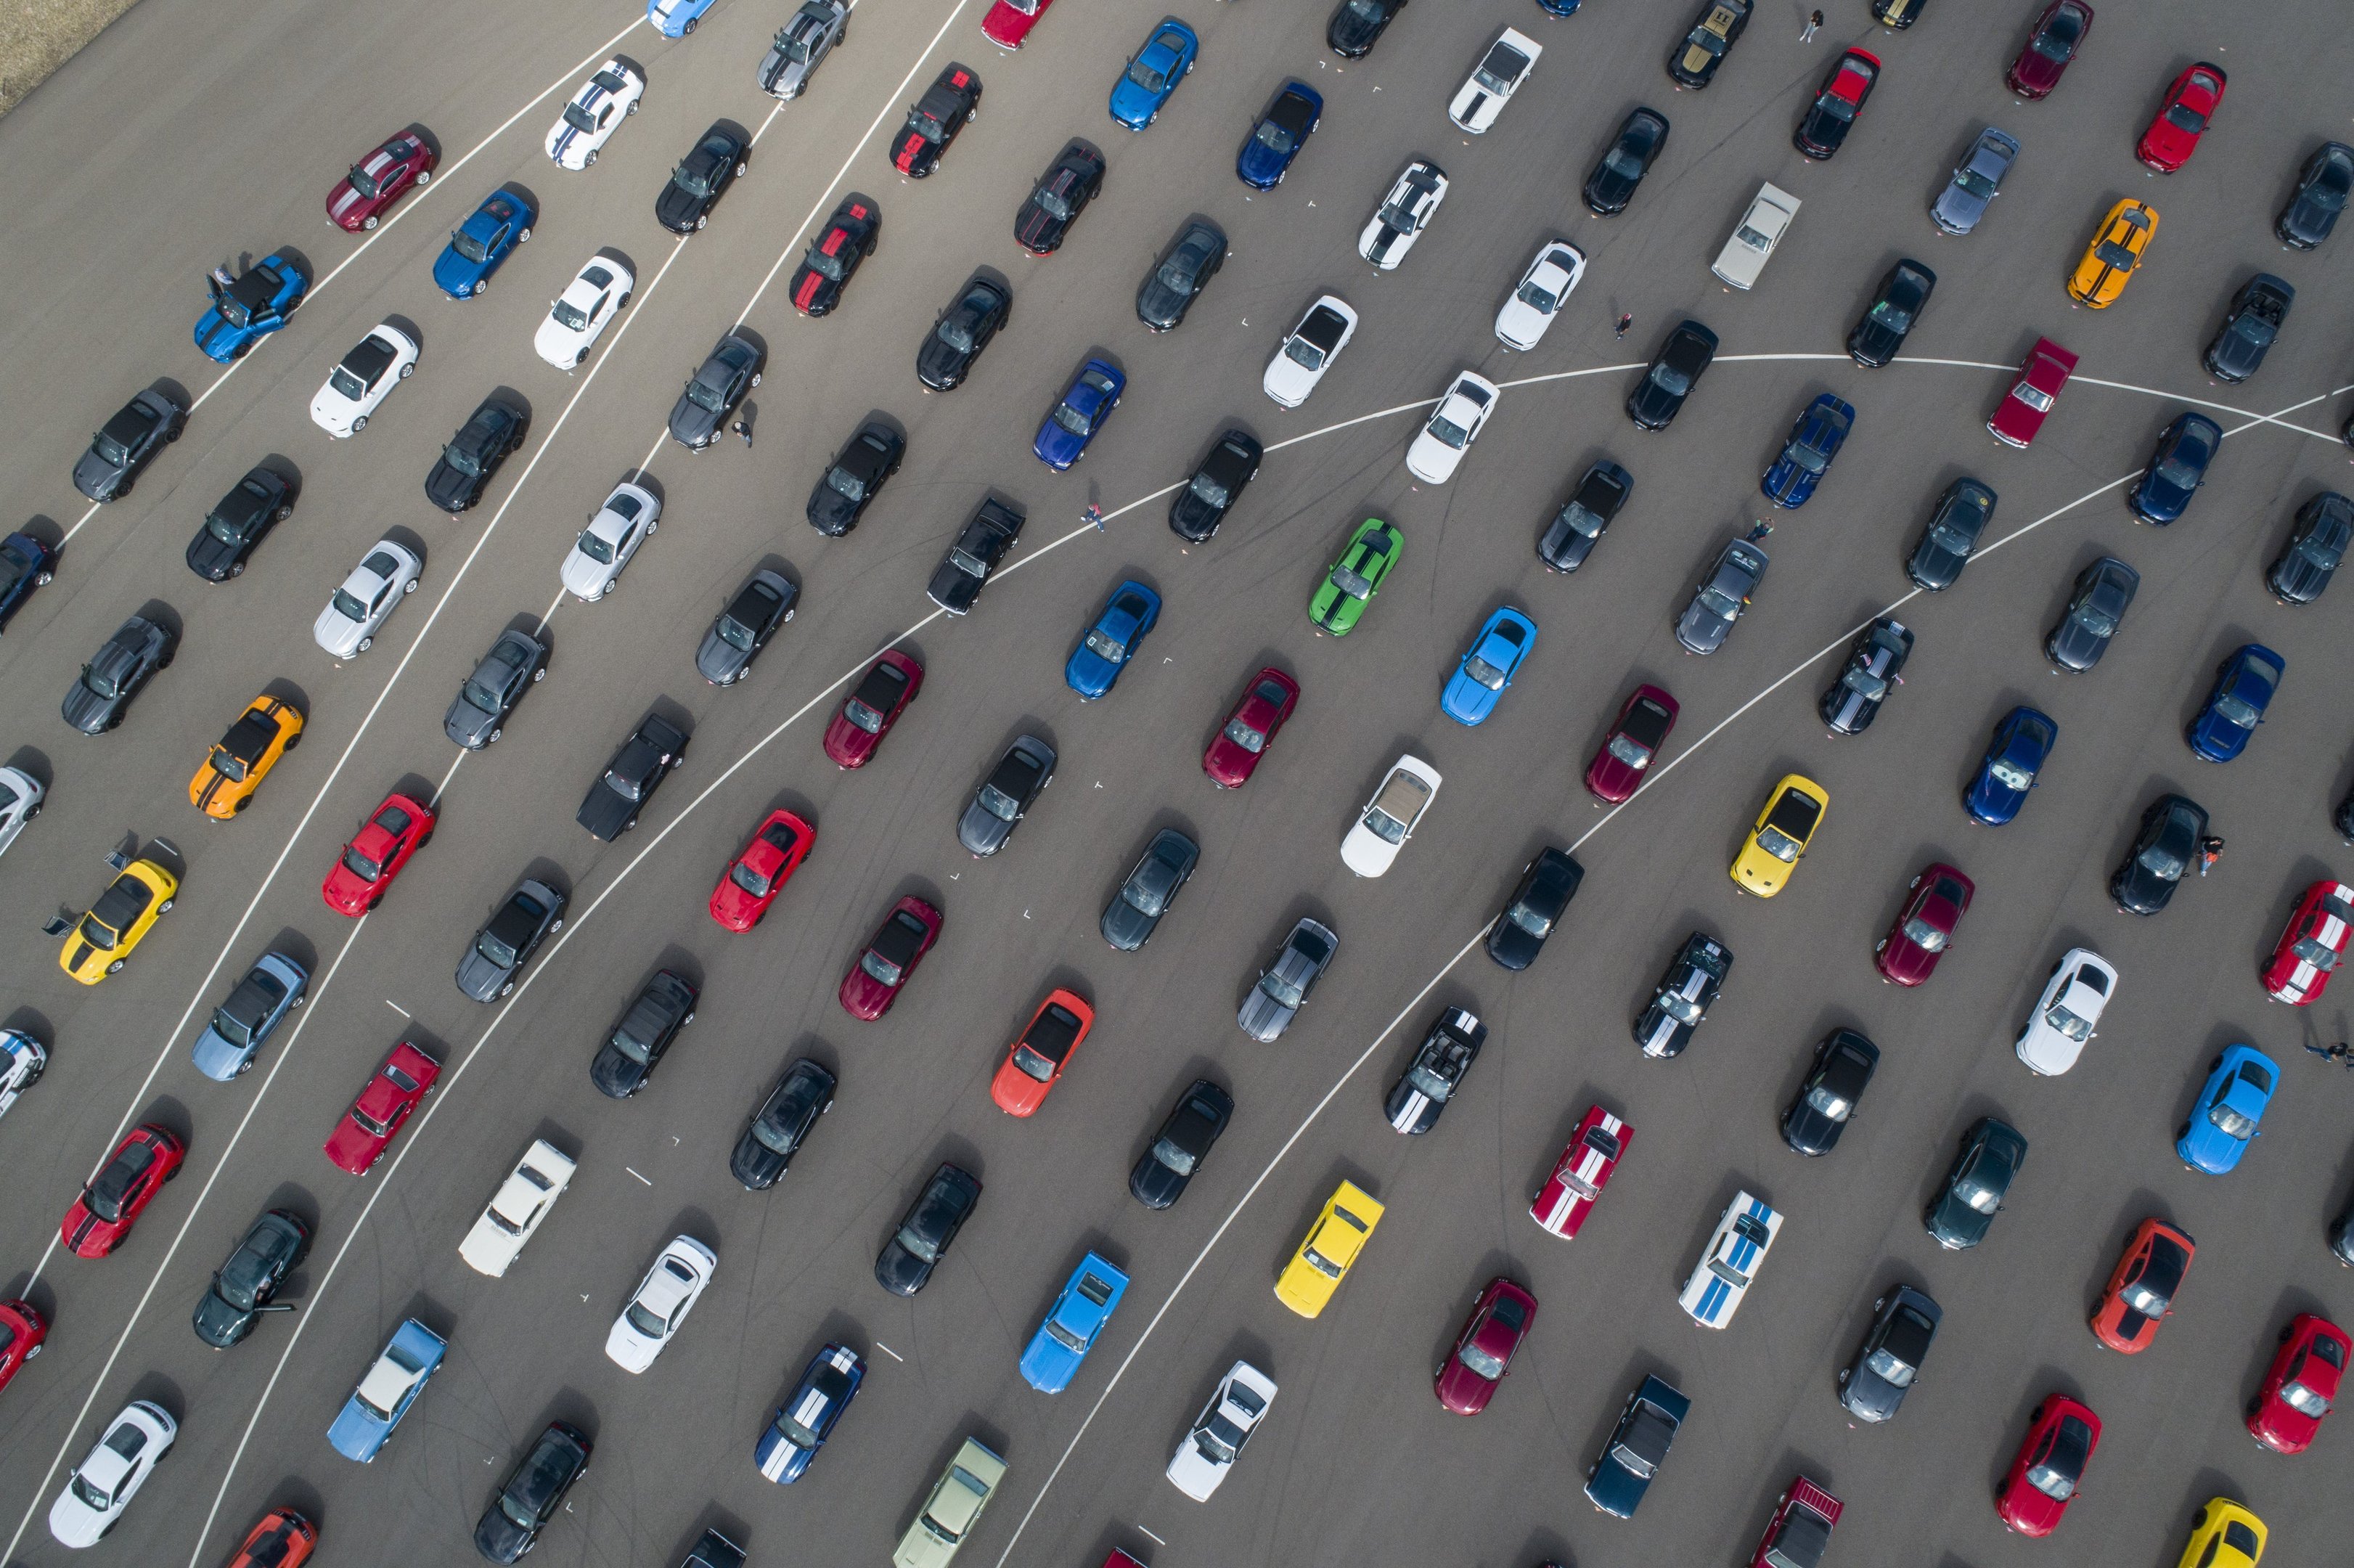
x=744 y=428
x=2210 y=850
x=2341 y=1053
x=1624 y=323
x=1094 y=513
x=1807 y=36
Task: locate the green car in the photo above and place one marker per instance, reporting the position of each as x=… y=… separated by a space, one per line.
x=1356 y=576
x=952 y=1510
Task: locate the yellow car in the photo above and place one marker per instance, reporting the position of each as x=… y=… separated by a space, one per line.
x=1308 y=1282
x=234 y=770
x=2109 y=261
x=103 y=939
x=2224 y=1535
x=1782 y=830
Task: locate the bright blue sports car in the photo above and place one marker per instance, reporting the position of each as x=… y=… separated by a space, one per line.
x=1073 y=422
x=1094 y=664
x=1488 y=667
x=2231 y=1105
x=1815 y=439
x=1145 y=86
x=1278 y=136
x=2244 y=685
x=2177 y=469
x=2021 y=743
x=676 y=18
x=479 y=246
x=261 y=299
x=1073 y=1325
x=392 y=1384
x=801 y=1424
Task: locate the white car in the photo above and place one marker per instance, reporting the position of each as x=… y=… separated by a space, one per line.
x=2068 y=1013
x=20 y=802
x=1544 y=288
x=593 y=566
x=102 y=1486
x=1493 y=81
x=663 y=1300
x=1754 y=238
x=577 y=317
x=1729 y=1261
x=386 y=574
x=610 y=96
x=516 y=1209
x=1371 y=845
x=1308 y=351
x=378 y=363
x=1453 y=426
x=1404 y=213
x=1216 y=1440
x=23 y=1059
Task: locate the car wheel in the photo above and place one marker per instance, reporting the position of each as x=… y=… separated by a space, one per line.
x=688 y=27
x=365 y=644
x=164 y=907
x=368 y=222
x=492 y=738
x=578 y=357
x=410 y=587
x=558 y=925
x=238 y=570
x=740 y=168
x=632 y=109
x=756 y=379
x=506 y=988
x=482 y=285
x=690 y=1018
x=359 y=424
x=523 y=236
x=1842 y=1377
x=539 y=674
x=424 y=177
x=115 y=967
x=372 y=904
x=592 y=154
x=244 y=1067
x=239 y=352
x=31 y=1353
x=44 y=579
x=701 y=221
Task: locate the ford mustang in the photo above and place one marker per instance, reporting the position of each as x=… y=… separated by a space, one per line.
x=480 y=246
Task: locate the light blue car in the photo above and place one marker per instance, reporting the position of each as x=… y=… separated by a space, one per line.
x=1112 y=642
x=1073 y=1325
x=392 y=1384
x=1145 y=86
x=676 y=18
x=2231 y=1105
x=252 y=1012
x=1488 y=667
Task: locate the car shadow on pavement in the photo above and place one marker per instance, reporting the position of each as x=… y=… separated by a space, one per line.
x=299 y=1494
x=286 y=690
x=972 y=1424
x=567 y=1404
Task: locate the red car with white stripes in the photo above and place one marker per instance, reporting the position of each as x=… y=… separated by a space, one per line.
x=364 y=195
x=2312 y=945
x=1576 y=1185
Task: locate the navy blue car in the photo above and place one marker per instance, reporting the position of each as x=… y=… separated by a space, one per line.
x=1073 y=421
x=2177 y=469
x=1815 y=440
x=25 y=564
x=258 y=302
x=806 y=1419
x=1280 y=133
x=1639 y=1445
x=479 y=246
x=2244 y=685
x=2022 y=742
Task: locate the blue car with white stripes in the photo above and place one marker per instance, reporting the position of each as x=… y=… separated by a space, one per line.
x=2231 y=1108
x=1145 y=86
x=480 y=246
x=676 y=18
x=1730 y=1260
x=803 y=1422
x=1073 y=1325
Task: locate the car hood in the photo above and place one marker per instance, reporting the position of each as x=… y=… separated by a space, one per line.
x=1158 y=304
x=1058 y=448
x=1960 y=209
x=899 y=1271
x=96 y=477
x=219 y=1324
x=2217 y=739
x=677 y=207
x=447 y=488
x=1870 y=1396
x=2073 y=646
x=1808 y=1131
x=1512 y=947
x=616 y=1074
x=499 y=1538
x=455 y=274
x=1614 y=1489
x=87 y=711
x=469 y=726
x=1154 y=1184
x=1701 y=630
x=1047 y=1365
x=692 y=423
x=718 y=660
x=1467 y=700
x=1461 y=1389
x=1876 y=341
x=981 y=831
x=756 y=1165
x=1956 y=1224
x=215 y=1058
x=479 y=977
x=831 y=513
x=1262 y=1017
x=1125 y=925
x=940 y=366
x=355 y=1433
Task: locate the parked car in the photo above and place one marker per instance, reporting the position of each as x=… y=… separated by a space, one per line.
x=762 y=603
x=1350 y=583
x=1693 y=62
x=1278 y=133
x=2322 y=187
x=2172 y=836
x=1631 y=745
x=1007 y=23
x=2141 y=1288
x=850 y=236
x=1184 y=269
x=1792 y=815
x=381 y=1110
x=1975 y=183
x=1826 y=1097
x=1408 y=208
x=2312 y=943
x=1002 y=799
x=1035 y=1062
x=102 y=941
x=1924 y=925
x=577 y=317
x=1729 y=1262
x=1073 y=1324
x=1147 y=893
x=1694 y=977
x=23 y=1060
x=2244 y=685
x=592 y=567
x=1042 y=223
x=1951 y=536
x=720 y=156
x=1875 y=668
x=101 y=694
x=528 y=916
x=1631 y=1456
x=1251 y=727
x=953 y=1509
x=873 y=706
x=2067 y=1015
x=1152 y=74
x=952 y=102
x=883 y=965
x=2022 y=413
x=2178 y=467
x=729 y=372
x=1676 y=367
x=515 y=662
x=1579 y=1177
x=626 y=787
x=1372 y=843
x=626 y=1061
x=233 y=770
x=2049 y=1468
x=2317 y=543
x=1486 y=670
x=2249 y=328
x=129 y=440
x=260 y=301
x=110 y=1203
x=786 y=1448
x=1895 y=309
x=403 y=162
x=1435 y=1072
x=1335 y=1240
x=533 y=1493
x=25 y=564
x=360 y=382
x=1216 y=1440
x=246 y=1019
x=1888 y=1363
x=2096 y=609
x=2015 y=756
x=1816 y=436
x=112 y=1473
x=760 y=870
x=1536 y=907
x=1751 y=245
x=610 y=96
x=2300 y=1385
x=365 y=599
x=1290 y=978
x=1586 y=516
x=1500 y=1319
x=856 y=475
x=1619 y=171
x=1309 y=350
x=246 y=1284
x=387 y=1389
x=1958 y=1217
x=927 y=1231
x=1500 y=74
x=1722 y=598
x=282 y=1538
x=480 y=246
x=1184 y=1143
x=2114 y=255
x=2228 y=1113
x=1358 y=24
x=1079 y=415
x=979 y=548
x=780 y=1123
x=661 y=1303
x=1201 y=504
x=1462 y=412
x=516 y=1209
x=1800 y=1530
x=472 y=458
x=2059 y=32
x=2183 y=118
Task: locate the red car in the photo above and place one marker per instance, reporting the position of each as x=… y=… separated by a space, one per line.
x=282 y=1540
x=867 y=715
x=1924 y=926
x=2311 y=944
x=1266 y=704
x=380 y=179
x=376 y=1118
x=22 y=1331
x=394 y=832
x=2301 y=1385
x=2141 y=1288
x=1035 y=1062
x=2058 y=33
x=1576 y=1185
x=1634 y=741
x=2173 y=134
x=2050 y=1464
x=883 y=965
x=754 y=878
x=1823 y=129
x=1800 y=1529
x=2037 y=386
x=1499 y=1321
x=1009 y=21
x=102 y=1216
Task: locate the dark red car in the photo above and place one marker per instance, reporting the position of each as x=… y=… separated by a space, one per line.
x=2058 y=33
x=1800 y=1529
x=2050 y=1464
x=867 y=715
x=380 y=179
x=2301 y=1385
x=883 y=965
x=2311 y=945
x=102 y=1216
x=2173 y=134
x=1499 y=1321
x=1635 y=738
x=376 y=1117
x=754 y=878
x=1924 y=926
x=393 y=831
x=22 y=1332
x=1009 y=21
x=2033 y=391
x=1266 y=704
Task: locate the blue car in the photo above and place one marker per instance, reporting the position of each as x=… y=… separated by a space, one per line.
x=2244 y=685
x=1073 y=1325
x=2177 y=469
x=1145 y=86
x=252 y=1012
x=1094 y=664
x=25 y=564
x=479 y=246
x=1073 y=422
x=261 y=299
x=802 y=1423
x=1279 y=135
x=1488 y=667
x=392 y=1384
x=2231 y=1107
x=2021 y=743
x=1558 y=7
x=1807 y=456
x=676 y=18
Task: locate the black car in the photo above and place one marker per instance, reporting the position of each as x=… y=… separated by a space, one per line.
x=534 y=1493
x=472 y=458
x=1135 y=911
x=1434 y=1072
x=526 y=917
x=764 y=603
x=237 y=523
x=1898 y=15
x=731 y=369
x=1721 y=599
x=25 y=564
x=2249 y=328
x=1904 y=1322
x=1674 y=370
x=711 y=1548
x=1950 y=535
x=2341 y=1236
x=1695 y=977
x=122 y=664
x=848 y=237
x=1992 y=1152
x=1042 y=223
x=780 y=1125
x=1692 y=63
x=127 y=443
x=629 y=1056
x=2173 y=831
x=982 y=309
x=718 y=158
x=952 y=99
x=2320 y=195
x=1822 y=130
x=1894 y=309
x=1358 y=24
x=984 y=542
x=1621 y=168
x=1182 y=1145
x=1185 y=269
x=2317 y=543
x=924 y=1236
x=1535 y=909
x=1874 y=667
x=515 y=662
x=2178 y=467
x=857 y=474
x=1012 y=787
x=1217 y=483
x=628 y=784
x=1826 y=1101
x=1585 y=517
x=243 y=1286
x=2096 y=609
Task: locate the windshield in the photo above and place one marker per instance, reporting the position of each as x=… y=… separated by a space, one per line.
x=2035 y=397
x=595 y=548
x=1892 y=1368
x=2055 y=1477
x=1975 y=183
x=1777 y=843
x=1051 y=203
x=708 y=392
x=1484 y=1362
x=459 y=457
x=1302 y=353
x=467 y=246
x=1829 y=1101
x=1173 y=1155
x=1383 y=826
x=1680 y=1007
x=957 y=333
x=1145 y=76
x=1274 y=137
x=643 y=1321
x=2231 y=1123
x=1282 y=988
x=1487 y=675
x=1448 y=432
x=1924 y=936
x=1071 y=420
x=2074 y=1028
x=688 y=177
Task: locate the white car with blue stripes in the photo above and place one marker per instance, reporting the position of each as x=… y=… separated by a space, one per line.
x=1729 y=1261
x=610 y=96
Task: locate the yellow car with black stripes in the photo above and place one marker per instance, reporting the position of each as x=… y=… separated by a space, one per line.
x=100 y=941
x=234 y=769
x=1342 y=1227
x=2224 y=1535
x=2100 y=278
x=1793 y=813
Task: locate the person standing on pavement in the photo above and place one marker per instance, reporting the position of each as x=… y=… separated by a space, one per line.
x=1807 y=36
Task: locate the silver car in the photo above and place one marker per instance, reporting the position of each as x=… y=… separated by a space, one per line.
x=1976 y=183
x=801 y=46
x=1283 y=986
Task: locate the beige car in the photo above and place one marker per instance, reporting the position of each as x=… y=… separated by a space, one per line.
x=1754 y=238
x=516 y=1209
x=953 y=1508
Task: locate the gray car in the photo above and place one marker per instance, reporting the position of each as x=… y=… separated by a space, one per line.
x=1012 y=787
x=764 y=603
x=477 y=714
x=247 y=1280
x=127 y=443
x=102 y=693
x=1992 y=1151
x=249 y=1016
x=1193 y=259
x=1724 y=593
x=801 y=46
x=528 y=916
x=1976 y=183
x=732 y=369
x=1135 y=911
x=1283 y=986
x=2103 y=592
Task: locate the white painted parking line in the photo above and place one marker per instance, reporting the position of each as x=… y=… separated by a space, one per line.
x=1149 y=1535
x=634 y=1171
x=398 y=1008
x=889 y=1351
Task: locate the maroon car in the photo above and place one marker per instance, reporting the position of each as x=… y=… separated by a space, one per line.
x=382 y=1109
x=2033 y=391
x=1635 y=738
x=883 y=965
x=1483 y=1353
x=2058 y=33
x=1924 y=926
x=148 y=1156
x=1800 y=1528
x=380 y=179
x=889 y=684
x=1250 y=728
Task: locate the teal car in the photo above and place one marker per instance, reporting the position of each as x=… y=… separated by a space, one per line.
x=1340 y=599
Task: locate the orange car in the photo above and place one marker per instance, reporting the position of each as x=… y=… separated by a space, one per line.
x=2141 y=1290
x=282 y=1540
x=1038 y=1058
x=234 y=769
